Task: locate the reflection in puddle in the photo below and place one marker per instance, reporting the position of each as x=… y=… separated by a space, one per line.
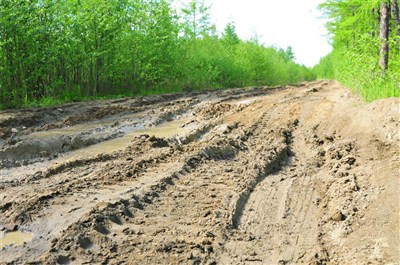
x=15 y=238
x=168 y=129
x=57 y=132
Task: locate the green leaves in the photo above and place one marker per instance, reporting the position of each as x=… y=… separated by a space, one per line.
x=196 y=20
x=73 y=49
x=354 y=26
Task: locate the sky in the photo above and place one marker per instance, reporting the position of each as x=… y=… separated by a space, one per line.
x=283 y=23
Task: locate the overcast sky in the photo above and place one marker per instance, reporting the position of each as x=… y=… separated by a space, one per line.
x=281 y=23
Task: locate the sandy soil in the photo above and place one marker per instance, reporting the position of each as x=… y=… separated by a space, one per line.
x=307 y=174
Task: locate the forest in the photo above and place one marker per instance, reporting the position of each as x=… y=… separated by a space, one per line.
x=75 y=49
x=365 y=36
x=70 y=50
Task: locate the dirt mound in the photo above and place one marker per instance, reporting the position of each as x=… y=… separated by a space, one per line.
x=299 y=174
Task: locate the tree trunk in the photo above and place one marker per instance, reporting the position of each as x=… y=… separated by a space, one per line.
x=395 y=11
x=384 y=35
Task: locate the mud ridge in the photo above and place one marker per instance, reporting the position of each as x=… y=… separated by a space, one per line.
x=120 y=211
x=306 y=173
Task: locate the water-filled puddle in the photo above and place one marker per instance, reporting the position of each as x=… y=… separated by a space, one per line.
x=78 y=128
x=59 y=132
x=168 y=129
x=16 y=238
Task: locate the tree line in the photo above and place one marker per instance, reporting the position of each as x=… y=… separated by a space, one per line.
x=366 y=46
x=74 y=49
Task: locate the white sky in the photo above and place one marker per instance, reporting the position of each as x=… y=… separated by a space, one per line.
x=281 y=23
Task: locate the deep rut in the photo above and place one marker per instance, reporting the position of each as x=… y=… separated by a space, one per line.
x=258 y=176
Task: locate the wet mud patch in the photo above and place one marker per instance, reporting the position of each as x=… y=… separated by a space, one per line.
x=96 y=113
x=85 y=144
x=24 y=151
x=156 y=134
x=14 y=239
x=237 y=177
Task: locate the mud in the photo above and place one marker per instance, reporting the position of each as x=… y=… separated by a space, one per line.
x=297 y=174
x=14 y=239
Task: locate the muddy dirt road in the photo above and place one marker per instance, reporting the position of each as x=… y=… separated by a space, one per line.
x=295 y=174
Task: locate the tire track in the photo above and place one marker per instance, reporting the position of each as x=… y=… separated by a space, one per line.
x=286 y=178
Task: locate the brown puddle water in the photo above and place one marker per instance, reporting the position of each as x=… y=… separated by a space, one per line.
x=17 y=238
x=78 y=128
x=60 y=132
x=168 y=129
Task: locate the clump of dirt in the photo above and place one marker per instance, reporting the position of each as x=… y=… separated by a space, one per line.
x=95 y=113
x=297 y=174
x=5 y=133
x=214 y=110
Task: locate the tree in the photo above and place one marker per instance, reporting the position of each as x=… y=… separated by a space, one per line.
x=384 y=35
x=72 y=49
x=229 y=35
x=196 y=20
x=395 y=11
x=289 y=54
x=364 y=43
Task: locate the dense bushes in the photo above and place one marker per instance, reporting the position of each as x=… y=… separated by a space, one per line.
x=74 y=49
x=210 y=62
x=354 y=61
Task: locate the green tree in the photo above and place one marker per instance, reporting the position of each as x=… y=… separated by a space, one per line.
x=66 y=50
x=364 y=43
x=196 y=20
x=229 y=35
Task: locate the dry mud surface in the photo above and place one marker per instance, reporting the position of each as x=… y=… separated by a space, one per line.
x=297 y=174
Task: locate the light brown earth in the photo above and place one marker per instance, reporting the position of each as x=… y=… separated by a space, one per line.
x=297 y=174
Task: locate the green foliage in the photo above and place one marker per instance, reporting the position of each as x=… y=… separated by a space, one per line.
x=325 y=67
x=354 y=27
x=69 y=50
x=229 y=36
x=196 y=20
